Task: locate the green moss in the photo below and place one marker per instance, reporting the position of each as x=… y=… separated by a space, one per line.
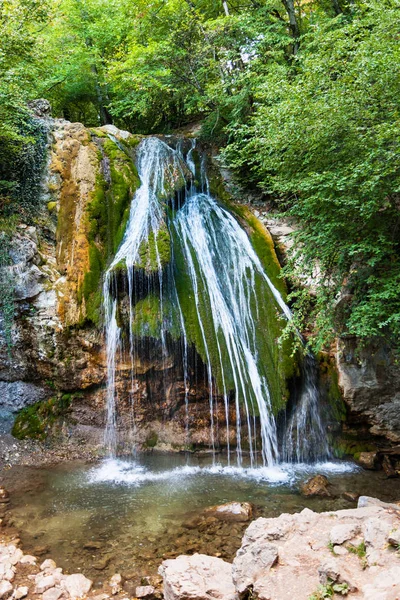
x=133 y=140
x=149 y=317
x=35 y=421
x=51 y=206
x=98 y=132
x=348 y=446
x=155 y=252
x=330 y=383
x=107 y=214
x=151 y=440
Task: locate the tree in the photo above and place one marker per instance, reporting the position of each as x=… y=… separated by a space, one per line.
x=324 y=142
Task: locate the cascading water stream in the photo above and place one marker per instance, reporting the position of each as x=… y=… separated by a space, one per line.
x=225 y=268
x=305 y=436
x=225 y=277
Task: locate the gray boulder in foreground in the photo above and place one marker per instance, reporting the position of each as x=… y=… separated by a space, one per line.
x=291 y=556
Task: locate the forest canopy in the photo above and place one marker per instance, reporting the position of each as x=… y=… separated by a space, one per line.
x=302 y=98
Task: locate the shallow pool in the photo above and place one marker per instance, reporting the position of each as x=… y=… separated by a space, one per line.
x=126 y=516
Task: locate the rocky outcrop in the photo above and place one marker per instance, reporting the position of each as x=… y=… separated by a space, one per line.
x=57 y=336
x=305 y=555
x=370 y=380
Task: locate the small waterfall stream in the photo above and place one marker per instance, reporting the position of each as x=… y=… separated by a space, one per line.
x=224 y=282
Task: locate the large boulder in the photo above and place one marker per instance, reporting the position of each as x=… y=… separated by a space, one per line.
x=197 y=577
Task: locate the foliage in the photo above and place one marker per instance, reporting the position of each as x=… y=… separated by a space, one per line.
x=329 y=590
x=21 y=136
x=360 y=551
x=304 y=95
x=324 y=143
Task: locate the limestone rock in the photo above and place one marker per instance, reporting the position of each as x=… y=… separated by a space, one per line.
x=6 y=589
x=365 y=501
x=254 y=559
x=144 y=591
x=40 y=107
x=386 y=586
x=48 y=565
x=77 y=585
x=115 y=583
x=197 y=577
x=369 y=378
x=316 y=486
x=15 y=395
x=232 y=511
x=44 y=583
x=343 y=533
x=52 y=594
x=21 y=592
x=394 y=538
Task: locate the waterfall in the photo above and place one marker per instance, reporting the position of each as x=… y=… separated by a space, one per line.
x=225 y=268
x=305 y=436
x=217 y=309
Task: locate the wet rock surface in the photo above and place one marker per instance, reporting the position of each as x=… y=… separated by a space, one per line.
x=317 y=486
x=231 y=511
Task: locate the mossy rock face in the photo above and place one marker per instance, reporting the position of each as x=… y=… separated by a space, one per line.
x=34 y=421
x=155 y=252
x=151 y=440
x=151 y=316
x=329 y=381
x=107 y=214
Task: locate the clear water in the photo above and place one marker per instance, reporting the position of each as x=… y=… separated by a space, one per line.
x=141 y=512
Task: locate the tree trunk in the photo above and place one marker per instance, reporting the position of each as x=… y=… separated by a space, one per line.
x=293 y=23
x=105 y=117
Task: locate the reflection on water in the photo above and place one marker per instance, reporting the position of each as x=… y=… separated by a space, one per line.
x=127 y=516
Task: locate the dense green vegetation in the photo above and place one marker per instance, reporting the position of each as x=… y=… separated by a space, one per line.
x=302 y=97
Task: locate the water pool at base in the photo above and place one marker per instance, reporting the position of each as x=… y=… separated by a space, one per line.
x=126 y=516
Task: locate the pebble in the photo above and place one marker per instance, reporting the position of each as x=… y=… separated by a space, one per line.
x=77 y=585
x=6 y=589
x=28 y=559
x=144 y=591
x=21 y=592
x=44 y=583
x=48 y=565
x=115 y=583
x=52 y=594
